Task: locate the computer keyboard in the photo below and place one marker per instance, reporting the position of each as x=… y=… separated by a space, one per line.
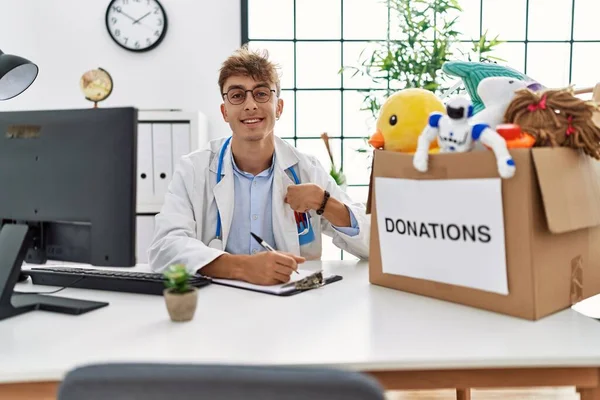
x=99 y=279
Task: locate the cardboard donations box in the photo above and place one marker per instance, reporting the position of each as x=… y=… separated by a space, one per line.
x=527 y=246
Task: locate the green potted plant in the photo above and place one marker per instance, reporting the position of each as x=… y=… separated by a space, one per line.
x=181 y=298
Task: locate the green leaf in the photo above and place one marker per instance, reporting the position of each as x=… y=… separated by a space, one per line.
x=176 y=278
x=416 y=61
x=337 y=175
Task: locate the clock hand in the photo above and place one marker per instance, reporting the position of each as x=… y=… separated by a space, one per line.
x=146 y=26
x=139 y=19
x=127 y=15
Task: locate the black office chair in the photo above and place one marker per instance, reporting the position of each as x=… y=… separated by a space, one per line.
x=215 y=382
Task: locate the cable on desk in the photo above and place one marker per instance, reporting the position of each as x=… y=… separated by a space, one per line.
x=54 y=291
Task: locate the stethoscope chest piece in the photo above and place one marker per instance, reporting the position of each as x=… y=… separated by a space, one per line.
x=216 y=244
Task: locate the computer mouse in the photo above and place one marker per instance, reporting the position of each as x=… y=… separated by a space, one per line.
x=23 y=276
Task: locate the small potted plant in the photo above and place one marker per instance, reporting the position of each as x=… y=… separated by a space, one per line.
x=180 y=297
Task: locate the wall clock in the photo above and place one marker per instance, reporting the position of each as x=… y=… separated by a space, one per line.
x=136 y=25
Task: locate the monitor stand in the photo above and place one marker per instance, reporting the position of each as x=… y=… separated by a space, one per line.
x=15 y=239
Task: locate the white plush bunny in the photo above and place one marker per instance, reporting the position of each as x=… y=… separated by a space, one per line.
x=496 y=93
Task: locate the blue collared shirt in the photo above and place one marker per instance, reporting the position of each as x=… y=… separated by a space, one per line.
x=252 y=212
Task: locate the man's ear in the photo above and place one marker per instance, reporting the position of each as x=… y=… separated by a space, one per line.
x=224 y=112
x=279 y=108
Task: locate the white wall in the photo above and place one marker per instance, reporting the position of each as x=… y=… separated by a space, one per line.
x=65 y=38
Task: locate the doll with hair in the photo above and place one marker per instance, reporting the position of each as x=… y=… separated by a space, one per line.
x=555 y=117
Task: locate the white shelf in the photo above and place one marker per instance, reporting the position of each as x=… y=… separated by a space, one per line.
x=149 y=119
x=163 y=137
x=148 y=208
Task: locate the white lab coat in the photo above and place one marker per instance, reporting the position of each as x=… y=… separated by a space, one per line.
x=188 y=219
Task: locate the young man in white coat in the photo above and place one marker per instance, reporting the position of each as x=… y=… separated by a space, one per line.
x=253 y=182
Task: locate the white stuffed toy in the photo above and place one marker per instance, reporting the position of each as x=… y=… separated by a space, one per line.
x=455 y=132
x=496 y=93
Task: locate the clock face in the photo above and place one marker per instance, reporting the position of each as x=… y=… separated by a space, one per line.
x=136 y=25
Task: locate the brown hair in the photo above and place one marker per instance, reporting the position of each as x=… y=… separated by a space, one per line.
x=252 y=63
x=555 y=117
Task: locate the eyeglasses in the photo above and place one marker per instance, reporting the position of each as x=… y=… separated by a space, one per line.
x=237 y=96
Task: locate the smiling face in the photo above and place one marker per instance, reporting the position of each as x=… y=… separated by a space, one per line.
x=250 y=107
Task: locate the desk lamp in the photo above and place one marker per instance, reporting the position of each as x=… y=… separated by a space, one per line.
x=16 y=75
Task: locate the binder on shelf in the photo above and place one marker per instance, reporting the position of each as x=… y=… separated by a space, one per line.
x=181 y=142
x=163 y=159
x=145 y=173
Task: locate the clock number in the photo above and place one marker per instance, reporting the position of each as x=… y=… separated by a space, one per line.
x=125 y=1
x=159 y=22
x=156 y=33
x=117 y=8
x=148 y=42
x=125 y=39
x=113 y=20
x=137 y=45
x=137 y=1
x=117 y=33
x=156 y=10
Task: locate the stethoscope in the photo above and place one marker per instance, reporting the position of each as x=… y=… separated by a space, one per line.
x=303 y=224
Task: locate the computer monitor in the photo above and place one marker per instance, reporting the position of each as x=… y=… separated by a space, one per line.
x=67 y=187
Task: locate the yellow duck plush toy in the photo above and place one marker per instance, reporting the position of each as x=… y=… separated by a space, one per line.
x=402 y=119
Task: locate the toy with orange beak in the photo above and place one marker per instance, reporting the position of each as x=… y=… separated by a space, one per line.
x=402 y=119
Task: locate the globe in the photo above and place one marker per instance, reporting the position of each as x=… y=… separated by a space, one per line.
x=96 y=85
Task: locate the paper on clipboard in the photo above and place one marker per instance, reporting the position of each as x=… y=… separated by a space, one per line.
x=274 y=289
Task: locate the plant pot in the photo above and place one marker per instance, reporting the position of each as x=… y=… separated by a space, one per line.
x=181 y=306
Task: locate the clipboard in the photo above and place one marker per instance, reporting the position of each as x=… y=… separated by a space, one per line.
x=305 y=282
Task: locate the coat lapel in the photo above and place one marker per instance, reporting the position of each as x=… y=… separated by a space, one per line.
x=224 y=193
x=284 y=225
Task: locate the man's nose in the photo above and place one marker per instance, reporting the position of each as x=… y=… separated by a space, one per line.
x=250 y=103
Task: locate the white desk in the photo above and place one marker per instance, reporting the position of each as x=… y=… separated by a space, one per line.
x=406 y=341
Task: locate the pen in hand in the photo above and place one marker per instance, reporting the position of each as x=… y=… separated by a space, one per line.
x=264 y=244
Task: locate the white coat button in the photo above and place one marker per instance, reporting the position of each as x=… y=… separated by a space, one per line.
x=255 y=217
x=254 y=251
x=254 y=183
